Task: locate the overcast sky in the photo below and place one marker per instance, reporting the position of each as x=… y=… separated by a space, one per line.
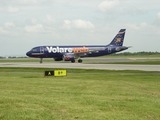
x=28 y=23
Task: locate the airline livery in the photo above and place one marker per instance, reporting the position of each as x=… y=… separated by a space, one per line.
x=70 y=53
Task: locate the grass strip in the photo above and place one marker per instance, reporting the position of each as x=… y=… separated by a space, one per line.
x=83 y=94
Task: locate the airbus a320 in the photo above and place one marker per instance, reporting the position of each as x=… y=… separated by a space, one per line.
x=70 y=53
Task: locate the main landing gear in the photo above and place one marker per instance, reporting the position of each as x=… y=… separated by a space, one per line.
x=79 y=60
x=72 y=61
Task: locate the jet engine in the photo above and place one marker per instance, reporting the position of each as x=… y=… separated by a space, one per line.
x=69 y=57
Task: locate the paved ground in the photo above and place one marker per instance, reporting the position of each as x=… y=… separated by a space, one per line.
x=82 y=66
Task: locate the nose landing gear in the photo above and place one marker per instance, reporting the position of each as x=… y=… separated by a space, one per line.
x=41 y=60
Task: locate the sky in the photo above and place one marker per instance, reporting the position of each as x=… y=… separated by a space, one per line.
x=25 y=24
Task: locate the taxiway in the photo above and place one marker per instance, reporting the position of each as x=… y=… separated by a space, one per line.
x=82 y=66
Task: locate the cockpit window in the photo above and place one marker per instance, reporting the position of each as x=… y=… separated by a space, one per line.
x=35 y=50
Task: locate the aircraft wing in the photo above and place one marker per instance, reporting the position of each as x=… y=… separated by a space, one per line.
x=76 y=55
x=95 y=50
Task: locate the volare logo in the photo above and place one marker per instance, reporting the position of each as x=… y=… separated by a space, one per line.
x=67 y=50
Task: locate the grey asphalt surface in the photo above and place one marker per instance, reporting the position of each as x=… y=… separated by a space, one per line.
x=82 y=66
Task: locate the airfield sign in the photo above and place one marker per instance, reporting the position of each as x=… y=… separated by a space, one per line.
x=56 y=73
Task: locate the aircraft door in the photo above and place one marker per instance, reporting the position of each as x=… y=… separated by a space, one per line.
x=41 y=49
x=109 y=49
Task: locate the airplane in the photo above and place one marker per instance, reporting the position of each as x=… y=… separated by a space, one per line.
x=70 y=53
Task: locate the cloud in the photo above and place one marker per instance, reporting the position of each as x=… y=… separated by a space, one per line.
x=2 y=31
x=137 y=26
x=9 y=28
x=12 y=9
x=48 y=19
x=133 y=10
x=33 y=2
x=79 y=24
x=158 y=15
x=9 y=24
x=156 y=22
x=108 y=5
x=34 y=28
x=33 y=20
x=28 y=2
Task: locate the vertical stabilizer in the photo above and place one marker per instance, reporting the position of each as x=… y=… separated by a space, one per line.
x=119 y=38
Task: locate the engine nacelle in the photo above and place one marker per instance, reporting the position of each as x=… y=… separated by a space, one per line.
x=68 y=58
x=58 y=59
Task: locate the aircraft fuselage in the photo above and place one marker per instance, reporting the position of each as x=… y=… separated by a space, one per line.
x=70 y=53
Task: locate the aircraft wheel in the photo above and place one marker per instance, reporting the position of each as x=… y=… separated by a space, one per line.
x=72 y=61
x=80 y=60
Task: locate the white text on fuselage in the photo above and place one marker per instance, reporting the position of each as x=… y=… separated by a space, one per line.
x=67 y=50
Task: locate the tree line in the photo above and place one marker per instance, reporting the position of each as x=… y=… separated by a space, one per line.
x=143 y=53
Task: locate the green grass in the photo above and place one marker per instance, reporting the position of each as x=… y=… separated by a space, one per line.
x=134 y=63
x=83 y=94
x=26 y=60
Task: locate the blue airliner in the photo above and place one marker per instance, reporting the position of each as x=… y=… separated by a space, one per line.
x=70 y=53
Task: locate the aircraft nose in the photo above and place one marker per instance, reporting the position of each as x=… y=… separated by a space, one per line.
x=28 y=53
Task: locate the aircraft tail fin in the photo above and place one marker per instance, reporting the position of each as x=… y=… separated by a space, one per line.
x=119 y=38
